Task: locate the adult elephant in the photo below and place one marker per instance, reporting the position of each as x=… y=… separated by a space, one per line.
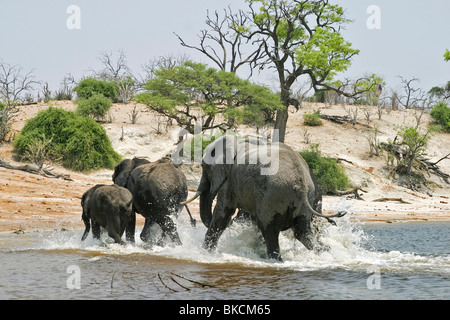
x=158 y=188
x=271 y=182
x=107 y=206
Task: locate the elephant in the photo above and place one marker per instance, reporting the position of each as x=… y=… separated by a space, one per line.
x=158 y=188
x=276 y=188
x=107 y=206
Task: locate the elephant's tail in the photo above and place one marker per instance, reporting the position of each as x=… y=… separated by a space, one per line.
x=86 y=230
x=87 y=222
x=314 y=212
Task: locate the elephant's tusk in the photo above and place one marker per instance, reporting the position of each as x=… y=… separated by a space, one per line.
x=197 y=194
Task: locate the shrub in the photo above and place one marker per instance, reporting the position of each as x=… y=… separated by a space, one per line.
x=90 y=86
x=441 y=115
x=329 y=175
x=62 y=95
x=413 y=143
x=312 y=119
x=80 y=143
x=96 y=106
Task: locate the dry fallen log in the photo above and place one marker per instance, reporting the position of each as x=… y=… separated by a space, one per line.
x=392 y=199
x=34 y=169
x=432 y=166
x=345 y=160
x=351 y=192
x=337 y=119
x=400 y=152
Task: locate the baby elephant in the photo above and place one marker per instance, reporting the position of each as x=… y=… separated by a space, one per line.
x=107 y=206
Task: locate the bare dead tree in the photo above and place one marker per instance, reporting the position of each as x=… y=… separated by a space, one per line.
x=162 y=62
x=381 y=106
x=113 y=69
x=65 y=91
x=418 y=113
x=224 y=42
x=14 y=84
x=117 y=71
x=394 y=101
x=46 y=92
x=306 y=136
x=374 y=142
x=368 y=112
x=352 y=113
x=409 y=98
x=134 y=115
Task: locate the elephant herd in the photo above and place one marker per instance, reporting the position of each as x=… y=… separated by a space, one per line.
x=233 y=173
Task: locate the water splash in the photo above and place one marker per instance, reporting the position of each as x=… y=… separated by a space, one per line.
x=351 y=248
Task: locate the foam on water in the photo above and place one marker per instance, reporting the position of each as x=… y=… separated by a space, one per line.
x=242 y=244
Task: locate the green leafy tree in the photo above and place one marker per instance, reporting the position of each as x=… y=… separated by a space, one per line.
x=441 y=115
x=90 y=86
x=442 y=93
x=303 y=38
x=193 y=92
x=296 y=38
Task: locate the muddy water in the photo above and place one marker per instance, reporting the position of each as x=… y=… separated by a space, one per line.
x=388 y=261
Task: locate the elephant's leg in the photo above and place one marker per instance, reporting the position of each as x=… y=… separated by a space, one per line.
x=221 y=219
x=113 y=228
x=115 y=235
x=169 y=228
x=145 y=233
x=130 y=228
x=271 y=234
x=96 y=228
x=304 y=234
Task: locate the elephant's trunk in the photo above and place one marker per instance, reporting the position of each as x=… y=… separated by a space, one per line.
x=206 y=200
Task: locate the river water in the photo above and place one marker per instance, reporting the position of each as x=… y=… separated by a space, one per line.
x=373 y=261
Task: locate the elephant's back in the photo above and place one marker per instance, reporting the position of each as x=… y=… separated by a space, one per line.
x=163 y=176
x=278 y=185
x=159 y=184
x=105 y=196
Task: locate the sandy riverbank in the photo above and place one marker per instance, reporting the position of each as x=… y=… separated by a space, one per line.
x=31 y=202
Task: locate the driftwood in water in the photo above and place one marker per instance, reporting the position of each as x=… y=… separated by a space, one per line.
x=31 y=168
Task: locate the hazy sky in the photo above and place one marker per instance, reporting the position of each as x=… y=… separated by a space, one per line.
x=410 y=42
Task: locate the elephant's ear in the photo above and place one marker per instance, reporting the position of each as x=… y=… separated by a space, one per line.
x=136 y=162
x=122 y=173
x=219 y=174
